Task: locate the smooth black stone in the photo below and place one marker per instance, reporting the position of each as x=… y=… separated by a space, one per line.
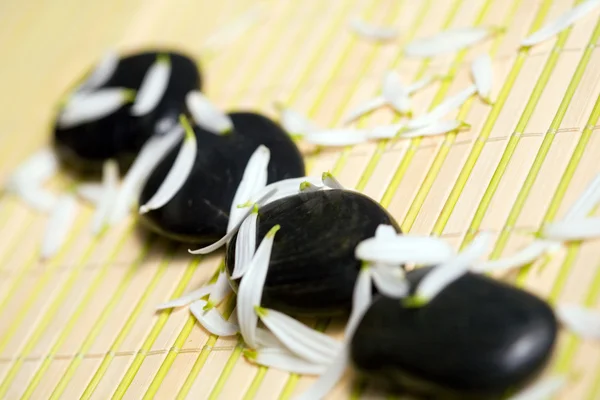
x=479 y=338
x=121 y=135
x=199 y=212
x=313 y=269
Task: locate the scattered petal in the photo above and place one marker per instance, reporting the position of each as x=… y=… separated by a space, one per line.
x=390 y=281
x=212 y=320
x=59 y=224
x=179 y=172
x=448 y=105
x=90 y=192
x=328 y=379
x=524 y=257
x=221 y=288
x=365 y=108
x=447 y=41
x=580 y=320
x=361 y=300
x=385 y=231
x=587 y=202
x=483 y=75
x=87 y=107
x=36 y=197
x=395 y=93
x=110 y=181
x=561 y=23
x=186 y=298
x=305 y=342
x=245 y=245
x=153 y=86
x=285 y=188
x=306 y=186
x=206 y=114
x=437 y=128
x=37 y=168
x=102 y=73
x=420 y=84
x=575 y=229
x=330 y=181
x=445 y=274
x=372 y=32
x=293 y=122
x=251 y=288
x=542 y=390
x=284 y=360
x=337 y=137
x=427 y=250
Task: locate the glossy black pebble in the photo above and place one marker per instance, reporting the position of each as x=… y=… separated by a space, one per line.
x=199 y=212
x=478 y=339
x=313 y=269
x=121 y=135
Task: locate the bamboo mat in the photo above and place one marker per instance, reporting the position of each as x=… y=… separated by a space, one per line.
x=82 y=325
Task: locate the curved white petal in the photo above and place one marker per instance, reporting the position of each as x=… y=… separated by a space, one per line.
x=394 y=92
x=372 y=32
x=212 y=320
x=365 y=108
x=587 y=202
x=436 y=128
x=245 y=245
x=524 y=257
x=580 y=320
x=446 y=42
x=153 y=87
x=293 y=122
x=561 y=23
x=35 y=196
x=330 y=181
x=110 y=182
x=58 y=226
x=102 y=73
x=37 y=168
x=221 y=288
x=420 y=84
x=87 y=107
x=544 y=389
x=337 y=137
x=251 y=288
x=385 y=231
x=186 y=299
x=90 y=192
x=309 y=187
x=402 y=249
x=265 y=338
x=285 y=188
x=445 y=274
x=284 y=360
x=328 y=379
x=206 y=115
x=390 y=281
x=178 y=174
x=483 y=75
x=448 y=105
x=575 y=229
x=361 y=301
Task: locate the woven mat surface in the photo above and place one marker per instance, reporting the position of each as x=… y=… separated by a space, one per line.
x=83 y=323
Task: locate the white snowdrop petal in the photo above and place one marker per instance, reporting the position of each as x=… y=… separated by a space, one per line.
x=309 y=187
x=483 y=75
x=58 y=226
x=446 y=42
x=231 y=31
x=580 y=320
x=153 y=87
x=524 y=257
x=221 y=288
x=420 y=84
x=586 y=203
x=364 y=108
x=395 y=93
x=231 y=233
x=575 y=229
x=152 y=153
x=361 y=300
x=561 y=23
x=110 y=181
x=385 y=231
x=212 y=320
x=330 y=181
x=328 y=379
x=39 y=167
x=251 y=288
x=385 y=131
x=402 y=249
x=36 y=197
x=300 y=339
x=437 y=128
x=186 y=299
x=293 y=122
x=245 y=246
x=450 y=104
x=101 y=74
x=445 y=274
x=544 y=389
x=390 y=281
x=264 y=338
x=206 y=114
x=177 y=175
x=90 y=192
x=253 y=180
x=372 y=32
x=284 y=360
x=337 y=137
x=92 y=106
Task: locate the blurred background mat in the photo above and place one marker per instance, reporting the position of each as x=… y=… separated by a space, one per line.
x=83 y=323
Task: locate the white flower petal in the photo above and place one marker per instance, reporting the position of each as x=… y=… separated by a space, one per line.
x=337 y=137
x=576 y=229
x=245 y=245
x=365 y=108
x=212 y=320
x=229 y=235
x=186 y=299
x=587 y=202
x=102 y=73
x=153 y=87
x=110 y=181
x=309 y=187
x=385 y=231
x=87 y=107
x=544 y=389
x=437 y=128
x=285 y=188
x=448 y=105
x=37 y=168
x=206 y=115
x=361 y=301
x=447 y=42
x=305 y=342
x=90 y=192
x=445 y=274
x=251 y=288
x=328 y=379
x=284 y=360
x=231 y=31
x=253 y=180
x=36 y=196
x=390 y=281
x=178 y=174
x=264 y=338
x=483 y=75
x=524 y=257
x=221 y=288
x=420 y=84
x=293 y=122
x=372 y=32
x=58 y=226
x=394 y=92
x=151 y=154
x=561 y=23
x=330 y=181
x=580 y=320
x=402 y=249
